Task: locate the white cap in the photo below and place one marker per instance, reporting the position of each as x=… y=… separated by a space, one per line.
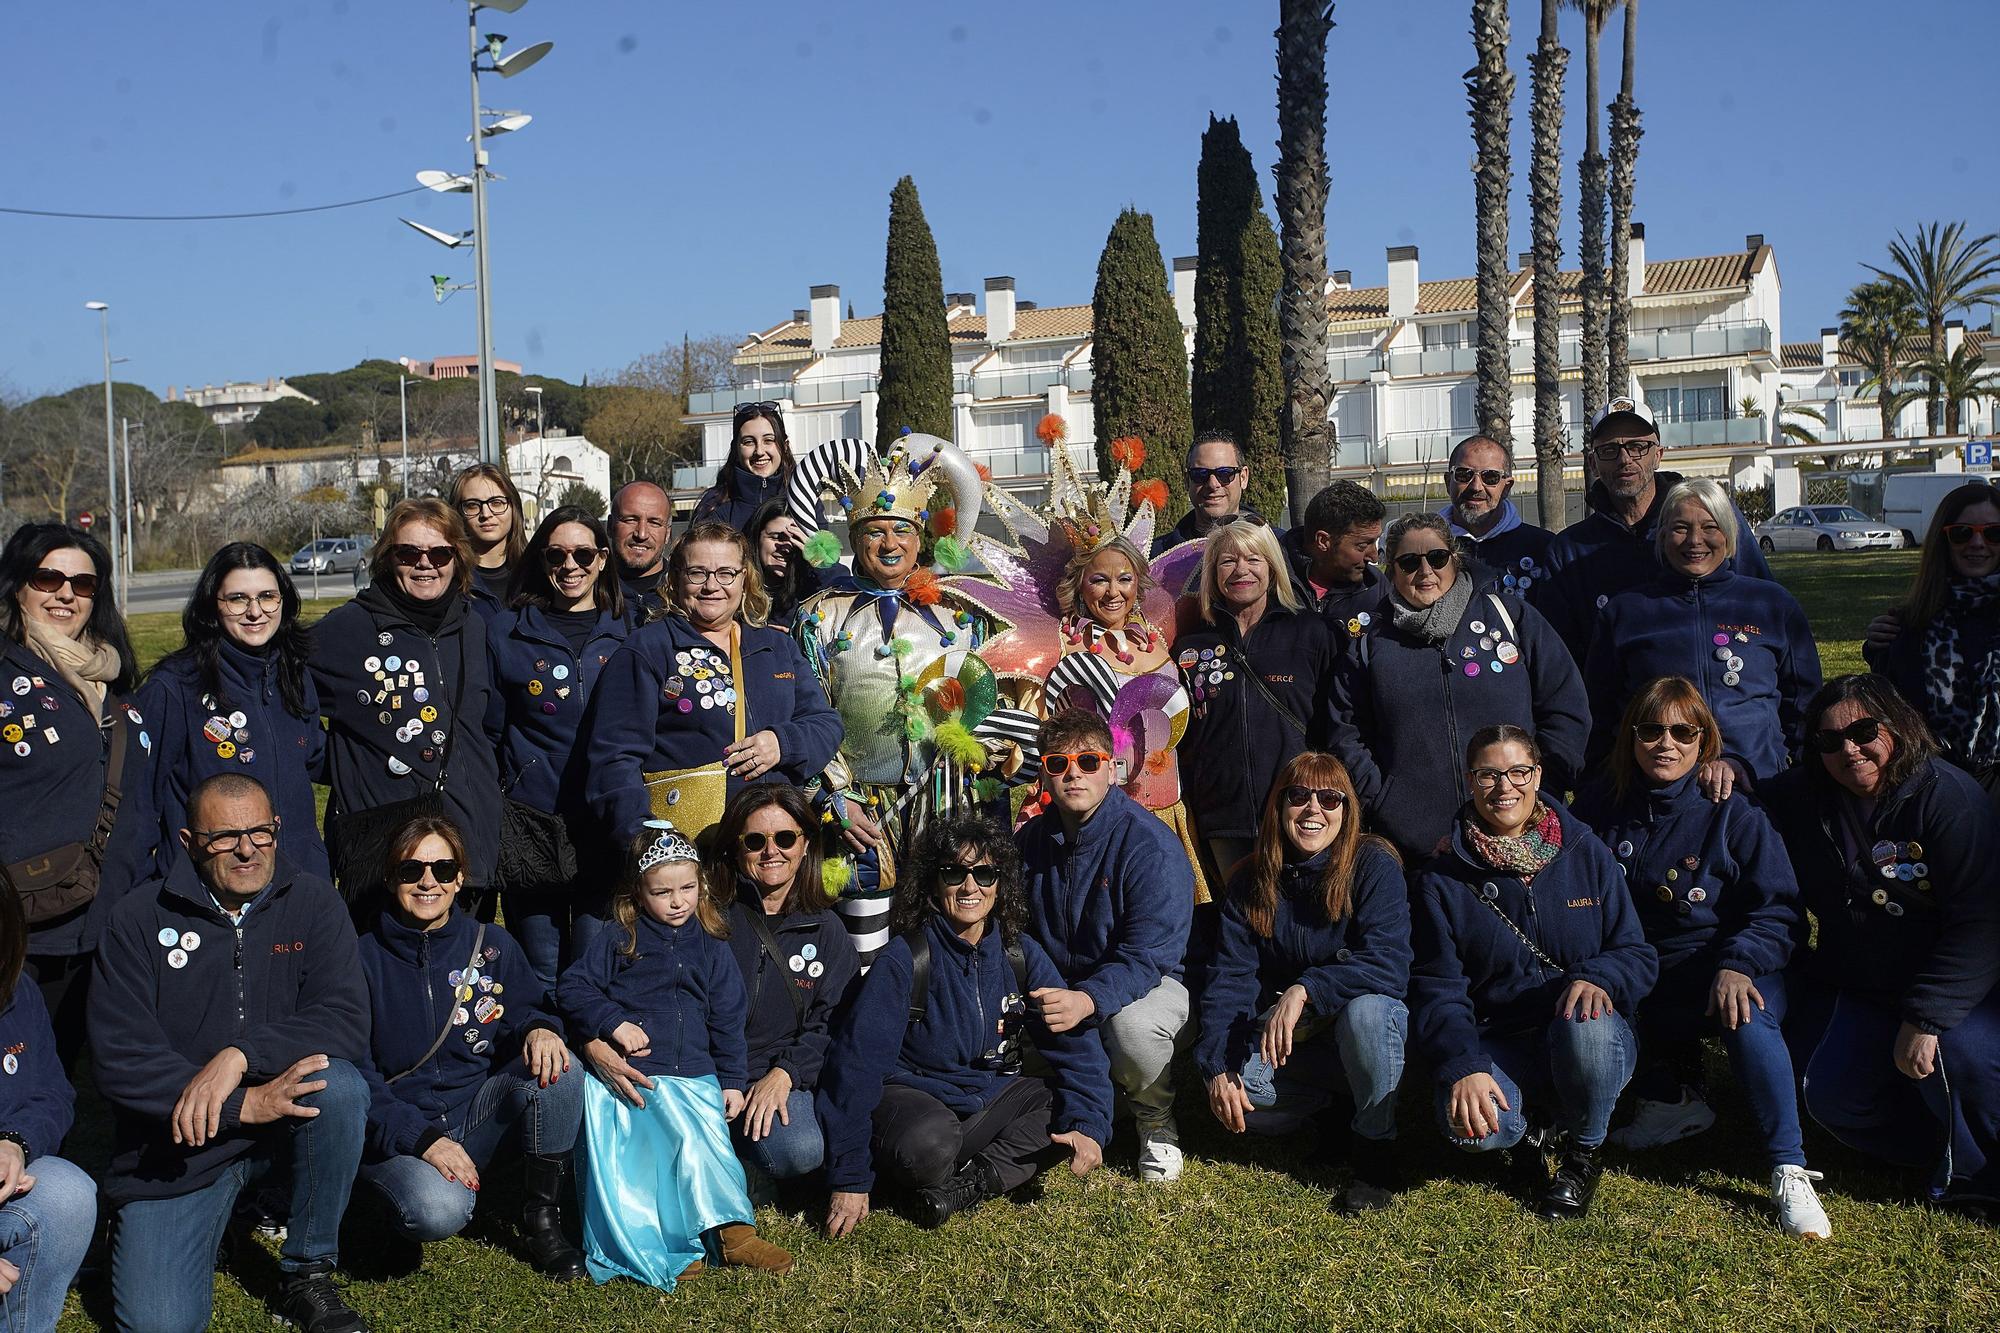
x=1625 y=406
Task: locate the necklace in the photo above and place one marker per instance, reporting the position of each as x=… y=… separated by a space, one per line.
x=1138 y=636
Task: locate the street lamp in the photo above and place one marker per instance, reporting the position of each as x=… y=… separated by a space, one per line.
x=110 y=440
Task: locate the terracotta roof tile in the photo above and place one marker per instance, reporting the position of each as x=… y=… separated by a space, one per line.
x=1055 y=321
x=1806 y=355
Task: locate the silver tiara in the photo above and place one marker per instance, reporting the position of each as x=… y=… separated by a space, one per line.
x=669 y=846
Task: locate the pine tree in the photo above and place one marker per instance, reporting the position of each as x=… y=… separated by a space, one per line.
x=914 y=386
x=1138 y=357
x=1238 y=383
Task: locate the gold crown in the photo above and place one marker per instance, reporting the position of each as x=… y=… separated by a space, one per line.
x=899 y=484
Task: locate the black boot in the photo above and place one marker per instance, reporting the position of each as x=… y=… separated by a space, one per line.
x=1528 y=1169
x=308 y=1300
x=1377 y=1179
x=974 y=1183
x=541 y=1219
x=1574 y=1185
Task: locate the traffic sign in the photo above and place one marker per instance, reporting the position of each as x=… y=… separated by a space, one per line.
x=85 y=519
x=1979 y=455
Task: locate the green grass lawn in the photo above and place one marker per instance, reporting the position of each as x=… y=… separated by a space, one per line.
x=1680 y=1239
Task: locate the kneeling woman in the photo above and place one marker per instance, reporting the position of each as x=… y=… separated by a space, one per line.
x=1528 y=956
x=1898 y=860
x=662 y=1003
x=1717 y=898
x=925 y=1075
x=465 y=1056
x=1320 y=918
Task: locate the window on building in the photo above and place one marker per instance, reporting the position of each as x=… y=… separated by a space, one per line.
x=1850 y=379
x=1454 y=334
x=1707 y=402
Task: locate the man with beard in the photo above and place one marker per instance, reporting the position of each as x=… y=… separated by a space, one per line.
x=1503 y=548
x=642 y=525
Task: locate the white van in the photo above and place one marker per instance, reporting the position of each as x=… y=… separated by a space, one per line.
x=1910 y=498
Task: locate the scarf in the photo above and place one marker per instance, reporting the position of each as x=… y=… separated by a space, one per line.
x=1524 y=854
x=427 y=617
x=1432 y=624
x=88 y=664
x=1962 y=696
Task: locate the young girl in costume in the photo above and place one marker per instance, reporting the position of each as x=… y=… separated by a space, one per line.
x=660 y=1001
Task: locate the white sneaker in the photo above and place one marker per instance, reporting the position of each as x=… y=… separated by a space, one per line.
x=1159 y=1158
x=1659 y=1123
x=1799 y=1210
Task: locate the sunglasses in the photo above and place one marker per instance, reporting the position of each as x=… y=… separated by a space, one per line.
x=783 y=839
x=52 y=580
x=414 y=557
x=555 y=557
x=1199 y=476
x=1958 y=534
x=1086 y=761
x=1862 y=731
x=1436 y=558
x=1492 y=476
x=1329 y=798
x=412 y=871
x=1684 y=733
x=985 y=876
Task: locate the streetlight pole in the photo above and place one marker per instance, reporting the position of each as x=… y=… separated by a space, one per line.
x=110 y=441
x=131 y=508
x=489 y=407
x=403 y=401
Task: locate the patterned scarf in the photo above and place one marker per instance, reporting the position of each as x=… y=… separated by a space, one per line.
x=1432 y=624
x=1525 y=853
x=1963 y=697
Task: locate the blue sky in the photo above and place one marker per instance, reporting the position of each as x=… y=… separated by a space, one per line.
x=697 y=166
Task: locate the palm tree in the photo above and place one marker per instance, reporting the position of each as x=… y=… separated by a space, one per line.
x=1940 y=271
x=1625 y=134
x=1305 y=431
x=1591 y=176
x=1489 y=87
x=1959 y=378
x=1545 y=208
x=1875 y=327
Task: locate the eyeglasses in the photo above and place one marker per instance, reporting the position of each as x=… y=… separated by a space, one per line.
x=413 y=557
x=480 y=508
x=1224 y=476
x=724 y=577
x=52 y=580
x=985 y=875
x=555 y=557
x=1492 y=476
x=1862 y=731
x=1609 y=450
x=237 y=604
x=785 y=840
x=1248 y=520
x=1489 y=779
x=217 y=840
x=1437 y=558
x=1329 y=798
x=1684 y=733
x=1086 y=761
x=444 y=871
x=1958 y=534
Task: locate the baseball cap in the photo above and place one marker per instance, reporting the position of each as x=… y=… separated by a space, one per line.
x=1625 y=413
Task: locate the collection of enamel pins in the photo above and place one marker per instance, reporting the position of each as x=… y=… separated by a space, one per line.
x=21 y=730
x=701 y=675
x=401 y=682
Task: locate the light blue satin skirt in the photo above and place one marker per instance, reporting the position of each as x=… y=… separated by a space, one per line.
x=654 y=1180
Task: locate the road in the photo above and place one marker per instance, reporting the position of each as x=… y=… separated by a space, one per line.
x=169 y=589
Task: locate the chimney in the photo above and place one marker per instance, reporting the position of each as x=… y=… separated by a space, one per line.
x=999 y=309
x=800 y=314
x=1954 y=336
x=1342 y=280
x=825 y=316
x=1829 y=348
x=1635 y=263
x=1754 y=242
x=1184 y=267
x=1019 y=306
x=173 y=393
x=1402 y=281
x=1526 y=260
x=960 y=303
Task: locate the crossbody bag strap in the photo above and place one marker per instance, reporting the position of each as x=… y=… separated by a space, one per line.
x=457 y=705
x=1271 y=698
x=1520 y=934
x=762 y=926
x=736 y=677
x=920 y=973
x=1500 y=613
x=478 y=940
x=114 y=777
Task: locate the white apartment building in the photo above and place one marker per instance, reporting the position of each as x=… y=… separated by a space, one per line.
x=236 y=402
x=1704 y=337
x=1825 y=377
x=542 y=468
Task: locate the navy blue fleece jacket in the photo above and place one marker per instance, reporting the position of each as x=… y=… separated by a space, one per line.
x=781 y=1034
x=36 y=1100
x=681 y=985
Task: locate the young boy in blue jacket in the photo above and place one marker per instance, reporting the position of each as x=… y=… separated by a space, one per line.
x=1110 y=899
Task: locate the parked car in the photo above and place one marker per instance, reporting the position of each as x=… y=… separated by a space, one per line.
x=1910 y=498
x=329 y=555
x=1826 y=528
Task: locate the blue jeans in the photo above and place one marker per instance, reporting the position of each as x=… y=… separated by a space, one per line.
x=1359 y=1054
x=163 y=1254
x=1949 y=1122
x=1580 y=1064
x=540 y=922
x=1672 y=1021
x=508 y=1106
x=44 y=1233
x=788 y=1151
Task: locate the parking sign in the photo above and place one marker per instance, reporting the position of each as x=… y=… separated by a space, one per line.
x=1979 y=455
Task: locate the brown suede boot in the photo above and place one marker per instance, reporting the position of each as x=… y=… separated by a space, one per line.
x=742 y=1246
x=695 y=1269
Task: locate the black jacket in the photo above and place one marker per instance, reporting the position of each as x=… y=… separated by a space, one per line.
x=816 y=964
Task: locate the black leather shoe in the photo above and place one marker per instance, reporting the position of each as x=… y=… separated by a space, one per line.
x=307 y=1299
x=1527 y=1170
x=1573 y=1186
x=1377 y=1179
x=541 y=1220
x=974 y=1183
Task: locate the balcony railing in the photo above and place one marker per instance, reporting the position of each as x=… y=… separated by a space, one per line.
x=1417 y=448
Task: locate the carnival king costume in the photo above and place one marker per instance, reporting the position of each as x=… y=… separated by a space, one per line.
x=926 y=734
x=1051 y=659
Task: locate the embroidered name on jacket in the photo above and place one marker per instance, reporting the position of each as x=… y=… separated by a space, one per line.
x=1581 y=902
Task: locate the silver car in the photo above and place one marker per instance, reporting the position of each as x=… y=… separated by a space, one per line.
x=328 y=555
x=1826 y=528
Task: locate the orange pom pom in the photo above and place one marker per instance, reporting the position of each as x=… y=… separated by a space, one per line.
x=1129 y=452
x=1153 y=492
x=951 y=696
x=1051 y=428
x=923 y=588
x=944 y=522
x=985 y=472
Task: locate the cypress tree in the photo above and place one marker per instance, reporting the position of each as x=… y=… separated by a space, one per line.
x=1139 y=358
x=914 y=387
x=1238 y=382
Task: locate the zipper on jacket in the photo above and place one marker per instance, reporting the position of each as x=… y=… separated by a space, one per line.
x=242 y=1022
x=680 y=1010
x=1451 y=722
